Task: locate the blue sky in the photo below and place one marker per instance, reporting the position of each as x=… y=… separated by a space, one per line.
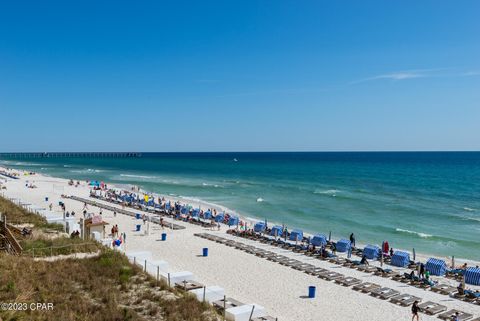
x=239 y=75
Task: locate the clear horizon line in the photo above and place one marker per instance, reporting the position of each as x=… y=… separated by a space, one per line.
x=244 y=151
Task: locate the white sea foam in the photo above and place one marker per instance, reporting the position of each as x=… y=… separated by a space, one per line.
x=137 y=176
x=86 y=170
x=422 y=235
x=213 y=185
x=259 y=200
x=476 y=219
x=27 y=164
x=331 y=192
x=468 y=209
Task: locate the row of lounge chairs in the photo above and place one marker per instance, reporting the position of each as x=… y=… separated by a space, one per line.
x=469 y=296
x=119 y=210
x=375 y=290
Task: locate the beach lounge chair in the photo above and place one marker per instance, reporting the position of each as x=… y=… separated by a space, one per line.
x=450 y=314
x=227 y=303
x=386 y=273
x=260 y=252
x=329 y=275
x=292 y=263
x=276 y=257
x=366 y=287
x=384 y=293
x=302 y=266
x=471 y=296
x=314 y=270
x=405 y=299
x=367 y=268
x=431 y=308
x=267 y=254
x=348 y=281
x=400 y=278
x=444 y=289
x=351 y=264
x=337 y=260
x=250 y=249
x=240 y=246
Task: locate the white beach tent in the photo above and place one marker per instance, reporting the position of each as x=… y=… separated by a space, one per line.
x=157 y=265
x=242 y=313
x=177 y=277
x=139 y=256
x=212 y=293
x=36 y=209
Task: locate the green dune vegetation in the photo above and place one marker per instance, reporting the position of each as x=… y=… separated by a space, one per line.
x=103 y=285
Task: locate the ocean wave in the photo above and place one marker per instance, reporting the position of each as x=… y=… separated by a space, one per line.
x=86 y=170
x=422 y=235
x=259 y=200
x=330 y=192
x=27 y=164
x=469 y=218
x=137 y=176
x=212 y=185
x=468 y=209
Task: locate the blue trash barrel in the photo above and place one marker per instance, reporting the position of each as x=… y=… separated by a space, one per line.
x=46 y=199
x=205 y=251
x=137 y=216
x=138 y=227
x=311 y=292
x=164 y=236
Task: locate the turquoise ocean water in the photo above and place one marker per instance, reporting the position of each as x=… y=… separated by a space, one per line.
x=430 y=201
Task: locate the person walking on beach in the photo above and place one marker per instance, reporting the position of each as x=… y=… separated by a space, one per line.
x=421 y=272
x=114 y=214
x=415 y=310
x=50 y=206
x=352 y=239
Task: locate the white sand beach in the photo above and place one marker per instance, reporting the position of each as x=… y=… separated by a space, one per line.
x=245 y=277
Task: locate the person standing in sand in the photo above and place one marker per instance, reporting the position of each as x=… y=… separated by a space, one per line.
x=352 y=239
x=415 y=310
